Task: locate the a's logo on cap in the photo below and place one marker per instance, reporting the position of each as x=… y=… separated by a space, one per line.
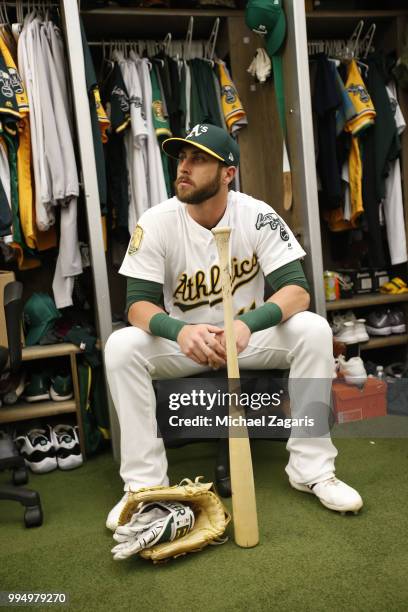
x=197 y=131
x=231 y=157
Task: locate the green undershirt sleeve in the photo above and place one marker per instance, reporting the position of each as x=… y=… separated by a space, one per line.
x=161 y=324
x=139 y=290
x=269 y=314
x=289 y=274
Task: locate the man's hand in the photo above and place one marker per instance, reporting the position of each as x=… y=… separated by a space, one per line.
x=201 y=344
x=242 y=336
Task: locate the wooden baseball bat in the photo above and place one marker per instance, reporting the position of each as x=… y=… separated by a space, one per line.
x=246 y=533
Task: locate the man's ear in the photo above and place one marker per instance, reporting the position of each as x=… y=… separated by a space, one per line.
x=229 y=174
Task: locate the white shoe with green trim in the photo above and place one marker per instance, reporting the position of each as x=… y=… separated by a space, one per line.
x=334 y=494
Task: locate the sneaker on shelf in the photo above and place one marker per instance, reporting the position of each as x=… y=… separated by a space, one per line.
x=353 y=370
x=349 y=316
x=38 y=450
x=37 y=388
x=347 y=333
x=340 y=317
x=396 y=370
x=66 y=443
x=337 y=322
x=14 y=394
x=379 y=323
x=370 y=368
x=61 y=388
x=361 y=330
x=397 y=321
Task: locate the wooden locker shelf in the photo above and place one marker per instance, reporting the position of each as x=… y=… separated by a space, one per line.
x=134 y=23
x=382 y=342
x=49 y=350
x=26 y=410
x=340 y=24
x=368 y=299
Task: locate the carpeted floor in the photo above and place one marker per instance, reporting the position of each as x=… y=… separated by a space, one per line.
x=308 y=558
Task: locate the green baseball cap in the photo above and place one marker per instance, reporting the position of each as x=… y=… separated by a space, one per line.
x=40 y=313
x=209 y=138
x=267 y=17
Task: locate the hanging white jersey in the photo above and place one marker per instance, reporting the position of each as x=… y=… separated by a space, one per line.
x=170 y=248
x=393 y=204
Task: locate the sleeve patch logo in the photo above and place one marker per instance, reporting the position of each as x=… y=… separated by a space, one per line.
x=274 y=221
x=136 y=240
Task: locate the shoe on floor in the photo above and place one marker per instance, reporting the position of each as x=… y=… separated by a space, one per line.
x=112 y=522
x=66 y=443
x=333 y=494
x=353 y=370
x=38 y=450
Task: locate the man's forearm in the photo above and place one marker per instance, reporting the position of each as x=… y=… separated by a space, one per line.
x=291 y=299
x=140 y=314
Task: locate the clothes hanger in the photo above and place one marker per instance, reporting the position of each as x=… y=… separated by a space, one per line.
x=189 y=38
x=107 y=66
x=355 y=38
x=368 y=39
x=212 y=41
x=167 y=43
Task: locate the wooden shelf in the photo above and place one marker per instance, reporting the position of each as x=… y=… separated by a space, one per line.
x=34 y=410
x=340 y=24
x=368 y=299
x=26 y=410
x=49 y=350
x=384 y=341
x=133 y=23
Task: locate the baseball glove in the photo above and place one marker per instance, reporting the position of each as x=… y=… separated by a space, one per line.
x=203 y=523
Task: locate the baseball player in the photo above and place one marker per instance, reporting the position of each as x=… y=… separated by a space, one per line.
x=172 y=254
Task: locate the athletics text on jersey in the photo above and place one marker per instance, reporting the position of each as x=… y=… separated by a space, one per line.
x=170 y=248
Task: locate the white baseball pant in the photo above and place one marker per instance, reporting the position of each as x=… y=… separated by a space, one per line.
x=134 y=358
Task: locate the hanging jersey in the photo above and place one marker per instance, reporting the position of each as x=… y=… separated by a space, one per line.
x=185 y=259
x=364 y=118
x=103 y=120
x=234 y=114
x=9 y=110
x=393 y=204
x=160 y=122
x=155 y=176
x=118 y=101
x=361 y=101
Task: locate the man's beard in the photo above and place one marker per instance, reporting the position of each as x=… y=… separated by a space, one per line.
x=198 y=196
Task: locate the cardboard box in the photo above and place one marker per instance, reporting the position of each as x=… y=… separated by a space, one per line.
x=353 y=404
x=5 y=278
x=362 y=279
x=380 y=277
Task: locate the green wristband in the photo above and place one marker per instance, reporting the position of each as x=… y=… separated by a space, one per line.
x=166 y=327
x=265 y=316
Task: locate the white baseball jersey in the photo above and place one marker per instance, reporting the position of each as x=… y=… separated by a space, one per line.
x=170 y=248
x=393 y=204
